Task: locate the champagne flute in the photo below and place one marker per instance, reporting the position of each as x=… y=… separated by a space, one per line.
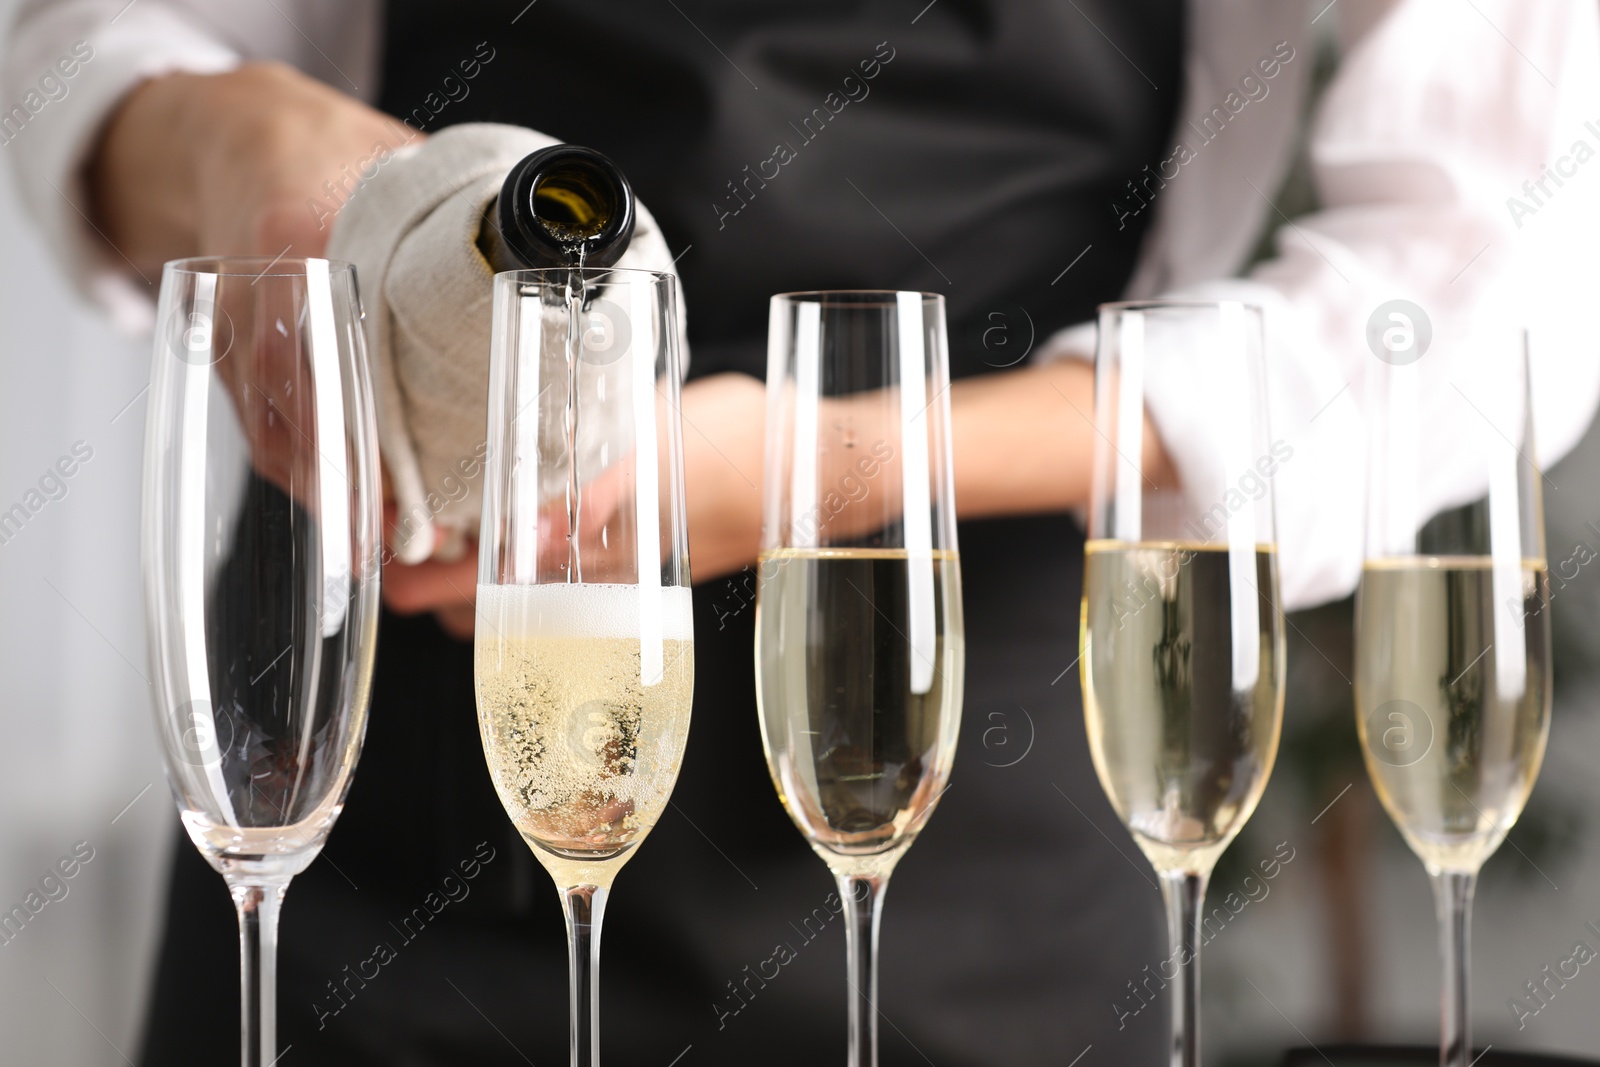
x=1452 y=652
x=260 y=556
x=1182 y=646
x=584 y=634
x=859 y=639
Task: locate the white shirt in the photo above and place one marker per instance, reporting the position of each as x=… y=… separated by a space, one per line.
x=1438 y=115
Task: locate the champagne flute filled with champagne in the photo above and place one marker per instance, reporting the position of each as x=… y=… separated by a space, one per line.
x=859 y=642
x=1182 y=650
x=584 y=640
x=1452 y=654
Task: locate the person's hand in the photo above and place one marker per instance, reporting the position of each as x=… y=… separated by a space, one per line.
x=448 y=588
x=724 y=422
x=252 y=162
x=257 y=161
x=723 y=419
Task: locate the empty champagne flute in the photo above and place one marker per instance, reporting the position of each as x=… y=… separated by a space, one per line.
x=260 y=555
x=1452 y=652
x=1181 y=639
x=859 y=637
x=584 y=635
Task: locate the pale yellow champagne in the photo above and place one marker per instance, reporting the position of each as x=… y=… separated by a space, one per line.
x=1453 y=697
x=1182 y=664
x=584 y=694
x=859 y=660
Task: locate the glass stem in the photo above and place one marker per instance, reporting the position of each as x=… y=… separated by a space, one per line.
x=863 y=899
x=584 y=907
x=258 y=907
x=1184 y=893
x=1452 y=892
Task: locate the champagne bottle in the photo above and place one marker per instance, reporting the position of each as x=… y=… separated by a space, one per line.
x=565 y=205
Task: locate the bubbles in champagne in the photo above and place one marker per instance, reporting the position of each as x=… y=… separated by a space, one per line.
x=582 y=737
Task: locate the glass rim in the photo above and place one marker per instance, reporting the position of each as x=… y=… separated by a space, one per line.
x=1157 y=304
x=539 y=274
x=280 y=266
x=867 y=297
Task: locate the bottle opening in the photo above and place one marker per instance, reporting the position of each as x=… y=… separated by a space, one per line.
x=564 y=205
x=572 y=202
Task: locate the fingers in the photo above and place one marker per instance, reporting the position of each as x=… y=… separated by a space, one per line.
x=602 y=544
x=449 y=589
x=411 y=588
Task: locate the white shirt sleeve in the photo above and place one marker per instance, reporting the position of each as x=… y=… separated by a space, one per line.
x=67 y=63
x=1420 y=150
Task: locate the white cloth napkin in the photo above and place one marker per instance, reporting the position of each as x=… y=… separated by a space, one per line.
x=412 y=233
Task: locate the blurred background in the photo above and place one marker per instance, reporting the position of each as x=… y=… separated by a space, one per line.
x=78 y=759
x=77 y=746
x=1341 y=945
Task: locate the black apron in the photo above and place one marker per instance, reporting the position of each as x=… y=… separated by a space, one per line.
x=980 y=159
